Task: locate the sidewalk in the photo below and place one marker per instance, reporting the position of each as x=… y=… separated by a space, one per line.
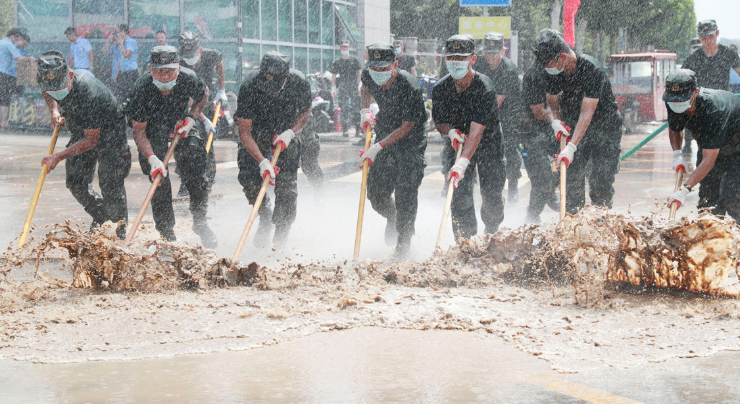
x=336 y=137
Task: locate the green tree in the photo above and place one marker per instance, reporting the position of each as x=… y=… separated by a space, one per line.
x=6 y=16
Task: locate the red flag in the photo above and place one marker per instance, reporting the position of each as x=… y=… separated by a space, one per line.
x=569 y=20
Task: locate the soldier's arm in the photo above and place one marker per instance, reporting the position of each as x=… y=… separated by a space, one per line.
x=197 y=107
x=220 y=77
x=245 y=134
x=398 y=134
x=588 y=107
x=413 y=71
x=737 y=70
x=540 y=112
x=500 y=99
x=676 y=139
x=366 y=98
x=301 y=121
x=553 y=102
x=709 y=156
x=53 y=109
x=471 y=142
x=91 y=139
x=142 y=142
x=444 y=128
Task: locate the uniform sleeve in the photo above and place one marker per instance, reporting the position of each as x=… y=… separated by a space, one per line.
x=412 y=61
x=365 y=79
x=304 y=96
x=487 y=108
x=592 y=82
x=244 y=109
x=216 y=57
x=197 y=88
x=438 y=100
x=412 y=98
x=136 y=108
x=716 y=131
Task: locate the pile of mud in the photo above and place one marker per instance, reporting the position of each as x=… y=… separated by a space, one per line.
x=591 y=251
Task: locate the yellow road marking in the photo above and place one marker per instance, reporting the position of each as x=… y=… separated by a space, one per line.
x=579 y=391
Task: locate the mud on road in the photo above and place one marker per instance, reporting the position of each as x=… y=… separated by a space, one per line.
x=600 y=289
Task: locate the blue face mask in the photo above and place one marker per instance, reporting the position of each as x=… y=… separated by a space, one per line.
x=553 y=71
x=398 y=51
x=344 y=53
x=457 y=68
x=162 y=86
x=680 y=107
x=59 y=94
x=380 y=78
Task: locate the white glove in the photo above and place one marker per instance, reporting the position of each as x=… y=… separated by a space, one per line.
x=209 y=126
x=679 y=196
x=266 y=169
x=221 y=96
x=456 y=137
x=366 y=118
x=560 y=129
x=283 y=138
x=566 y=155
x=183 y=126
x=457 y=173
x=370 y=153
x=156 y=167
x=678 y=161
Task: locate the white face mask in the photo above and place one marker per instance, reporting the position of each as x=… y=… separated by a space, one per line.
x=680 y=107
x=380 y=78
x=192 y=61
x=554 y=71
x=345 y=53
x=457 y=68
x=164 y=86
x=59 y=94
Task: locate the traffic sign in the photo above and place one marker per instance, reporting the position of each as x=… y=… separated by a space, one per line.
x=477 y=27
x=485 y=3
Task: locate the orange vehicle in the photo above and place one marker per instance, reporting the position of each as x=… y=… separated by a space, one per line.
x=638 y=83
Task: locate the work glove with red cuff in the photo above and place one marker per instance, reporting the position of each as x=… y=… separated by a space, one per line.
x=457 y=173
x=367 y=118
x=267 y=169
x=679 y=196
x=560 y=129
x=370 y=153
x=156 y=166
x=456 y=137
x=183 y=127
x=566 y=155
x=283 y=139
x=678 y=161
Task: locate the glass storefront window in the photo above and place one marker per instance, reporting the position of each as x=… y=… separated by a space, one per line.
x=149 y=16
x=230 y=58
x=327 y=60
x=211 y=19
x=287 y=51
x=250 y=19
x=285 y=22
x=301 y=60
x=269 y=20
x=94 y=19
x=314 y=15
x=314 y=61
x=267 y=48
x=251 y=58
x=301 y=21
x=44 y=19
x=327 y=25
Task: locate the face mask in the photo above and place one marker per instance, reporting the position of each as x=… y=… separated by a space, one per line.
x=457 y=68
x=680 y=107
x=380 y=78
x=164 y=86
x=345 y=53
x=192 y=61
x=59 y=94
x=398 y=51
x=554 y=71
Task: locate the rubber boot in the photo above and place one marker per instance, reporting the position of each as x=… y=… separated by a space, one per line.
x=183 y=192
x=391 y=234
x=168 y=235
x=261 y=236
x=514 y=191
x=280 y=239
x=207 y=236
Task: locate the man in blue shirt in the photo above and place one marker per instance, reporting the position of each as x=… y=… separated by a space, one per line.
x=11 y=51
x=80 y=52
x=161 y=38
x=125 y=67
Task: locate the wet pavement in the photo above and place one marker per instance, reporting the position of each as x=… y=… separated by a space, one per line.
x=357 y=365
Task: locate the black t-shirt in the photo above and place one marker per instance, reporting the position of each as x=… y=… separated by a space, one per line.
x=506 y=80
x=716 y=121
x=476 y=104
x=209 y=58
x=347 y=71
x=91 y=105
x=589 y=80
x=160 y=112
x=406 y=62
x=533 y=93
x=271 y=115
x=403 y=101
x=713 y=72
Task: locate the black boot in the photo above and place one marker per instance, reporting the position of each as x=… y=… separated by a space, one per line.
x=513 y=191
x=207 y=236
x=280 y=239
x=553 y=202
x=403 y=246
x=391 y=234
x=183 y=192
x=168 y=235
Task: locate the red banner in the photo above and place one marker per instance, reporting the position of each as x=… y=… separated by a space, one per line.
x=569 y=21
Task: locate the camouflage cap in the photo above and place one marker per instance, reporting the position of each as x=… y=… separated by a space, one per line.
x=493 y=42
x=706 y=27
x=459 y=45
x=274 y=69
x=164 y=57
x=548 y=45
x=53 y=71
x=380 y=54
x=679 y=85
x=189 y=44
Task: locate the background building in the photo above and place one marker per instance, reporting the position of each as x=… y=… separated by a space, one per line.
x=309 y=31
